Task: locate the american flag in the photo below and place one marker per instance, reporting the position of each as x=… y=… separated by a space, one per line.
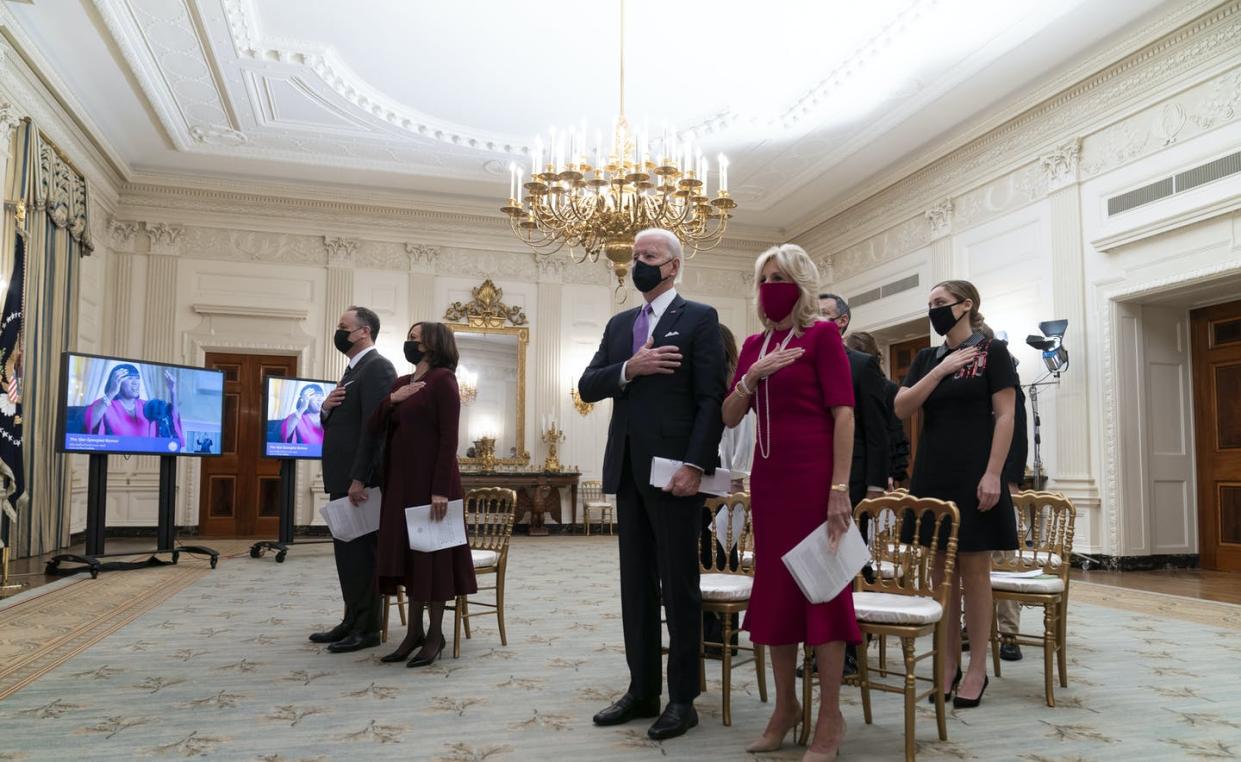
x=12 y=473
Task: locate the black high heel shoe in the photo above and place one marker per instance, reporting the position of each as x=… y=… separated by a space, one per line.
x=399 y=655
x=964 y=703
x=423 y=661
x=951 y=690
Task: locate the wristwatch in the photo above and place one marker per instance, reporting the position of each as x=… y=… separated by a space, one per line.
x=840 y=488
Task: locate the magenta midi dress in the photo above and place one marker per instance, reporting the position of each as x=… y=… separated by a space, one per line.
x=791 y=481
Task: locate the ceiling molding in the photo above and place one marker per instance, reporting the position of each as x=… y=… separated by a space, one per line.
x=1100 y=66
x=33 y=86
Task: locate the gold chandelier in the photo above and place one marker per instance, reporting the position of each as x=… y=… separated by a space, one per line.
x=597 y=204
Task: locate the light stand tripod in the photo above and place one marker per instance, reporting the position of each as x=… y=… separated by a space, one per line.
x=1039 y=480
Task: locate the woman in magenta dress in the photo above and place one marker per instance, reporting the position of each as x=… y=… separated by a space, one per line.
x=796 y=376
x=303 y=426
x=121 y=411
x=418 y=422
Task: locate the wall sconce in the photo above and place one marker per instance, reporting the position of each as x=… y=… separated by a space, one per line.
x=583 y=408
x=467 y=385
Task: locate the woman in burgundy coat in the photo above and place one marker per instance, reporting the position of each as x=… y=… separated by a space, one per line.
x=418 y=421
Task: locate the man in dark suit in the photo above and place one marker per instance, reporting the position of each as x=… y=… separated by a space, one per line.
x=350 y=468
x=663 y=366
x=868 y=476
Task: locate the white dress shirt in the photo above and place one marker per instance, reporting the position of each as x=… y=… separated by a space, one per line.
x=353 y=361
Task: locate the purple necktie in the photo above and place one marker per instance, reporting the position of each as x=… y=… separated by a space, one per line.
x=641 y=328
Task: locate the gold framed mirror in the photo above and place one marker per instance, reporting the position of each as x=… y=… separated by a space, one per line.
x=491 y=373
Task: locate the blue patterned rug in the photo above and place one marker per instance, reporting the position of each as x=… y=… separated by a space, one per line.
x=223 y=669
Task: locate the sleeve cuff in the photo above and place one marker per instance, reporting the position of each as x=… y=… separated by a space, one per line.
x=696 y=467
x=624 y=381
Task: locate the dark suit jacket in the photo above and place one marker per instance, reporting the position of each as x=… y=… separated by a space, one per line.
x=1014 y=471
x=898 y=442
x=350 y=451
x=675 y=416
x=871 y=459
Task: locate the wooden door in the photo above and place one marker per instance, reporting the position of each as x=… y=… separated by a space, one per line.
x=241 y=489
x=1217 y=417
x=900 y=356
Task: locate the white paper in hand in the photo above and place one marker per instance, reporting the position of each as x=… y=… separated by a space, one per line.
x=428 y=535
x=347 y=521
x=821 y=574
x=718 y=483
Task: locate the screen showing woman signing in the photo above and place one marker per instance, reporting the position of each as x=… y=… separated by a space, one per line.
x=294 y=426
x=112 y=405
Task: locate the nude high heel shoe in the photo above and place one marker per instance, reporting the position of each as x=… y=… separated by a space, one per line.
x=818 y=756
x=772 y=741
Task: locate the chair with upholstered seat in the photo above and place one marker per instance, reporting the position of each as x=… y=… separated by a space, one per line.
x=597 y=503
x=725 y=582
x=1047 y=519
x=907 y=604
x=489 y=517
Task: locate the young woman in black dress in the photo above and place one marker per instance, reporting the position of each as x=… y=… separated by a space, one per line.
x=965 y=389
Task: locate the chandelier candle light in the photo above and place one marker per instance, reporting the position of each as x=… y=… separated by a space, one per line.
x=598 y=202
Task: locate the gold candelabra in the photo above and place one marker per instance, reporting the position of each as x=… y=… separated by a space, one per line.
x=485 y=448
x=552 y=437
x=583 y=408
x=597 y=204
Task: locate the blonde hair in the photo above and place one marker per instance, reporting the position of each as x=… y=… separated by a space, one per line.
x=794 y=262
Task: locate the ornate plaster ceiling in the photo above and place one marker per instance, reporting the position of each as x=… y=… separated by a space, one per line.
x=807 y=98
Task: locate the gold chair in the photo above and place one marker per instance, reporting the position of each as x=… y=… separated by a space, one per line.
x=594 y=501
x=489 y=517
x=1047 y=519
x=906 y=605
x=725 y=582
x=387 y=605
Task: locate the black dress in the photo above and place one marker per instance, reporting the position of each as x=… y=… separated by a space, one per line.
x=955 y=445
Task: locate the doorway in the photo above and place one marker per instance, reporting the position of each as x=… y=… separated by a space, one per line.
x=1216 y=345
x=240 y=494
x=901 y=356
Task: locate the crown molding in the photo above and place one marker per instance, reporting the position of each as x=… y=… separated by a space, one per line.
x=1079 y=80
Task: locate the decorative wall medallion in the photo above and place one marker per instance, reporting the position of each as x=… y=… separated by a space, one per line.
x=487 y=310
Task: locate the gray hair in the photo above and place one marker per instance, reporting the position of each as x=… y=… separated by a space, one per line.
x=672 y=245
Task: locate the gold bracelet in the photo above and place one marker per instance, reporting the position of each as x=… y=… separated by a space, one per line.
x=840 y=488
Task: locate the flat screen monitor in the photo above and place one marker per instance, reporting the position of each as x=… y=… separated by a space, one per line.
x=292 y=428
x=116 y=406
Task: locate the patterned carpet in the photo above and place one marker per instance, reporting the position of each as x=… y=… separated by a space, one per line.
x=216 y=664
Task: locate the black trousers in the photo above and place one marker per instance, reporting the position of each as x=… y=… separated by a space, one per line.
x=659 y=551
x=355 y=567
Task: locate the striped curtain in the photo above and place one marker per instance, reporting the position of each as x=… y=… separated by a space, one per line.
x=46 y=204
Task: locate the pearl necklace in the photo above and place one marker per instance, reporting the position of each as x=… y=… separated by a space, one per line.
x=764 y=450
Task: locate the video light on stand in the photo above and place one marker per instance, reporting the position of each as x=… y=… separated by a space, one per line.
x=1055 y=356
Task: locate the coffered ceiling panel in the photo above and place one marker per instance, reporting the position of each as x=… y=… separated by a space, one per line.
x=807 y=98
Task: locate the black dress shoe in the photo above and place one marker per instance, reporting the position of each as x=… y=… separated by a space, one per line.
x=399 y=655
x=960 y=702
x=1010 y=651
x=675 y=720
x=426 y=661
x=329 y=636
x=951 y=689
x=850 y=664
x=354 y=642
x=628 y=707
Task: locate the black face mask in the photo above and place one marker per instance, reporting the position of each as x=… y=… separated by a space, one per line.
x=341 y=340
x=413 y=353
x=942 y=319
x=647 y=277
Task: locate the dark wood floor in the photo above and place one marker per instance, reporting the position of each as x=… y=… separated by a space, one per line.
x=1224 y=587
